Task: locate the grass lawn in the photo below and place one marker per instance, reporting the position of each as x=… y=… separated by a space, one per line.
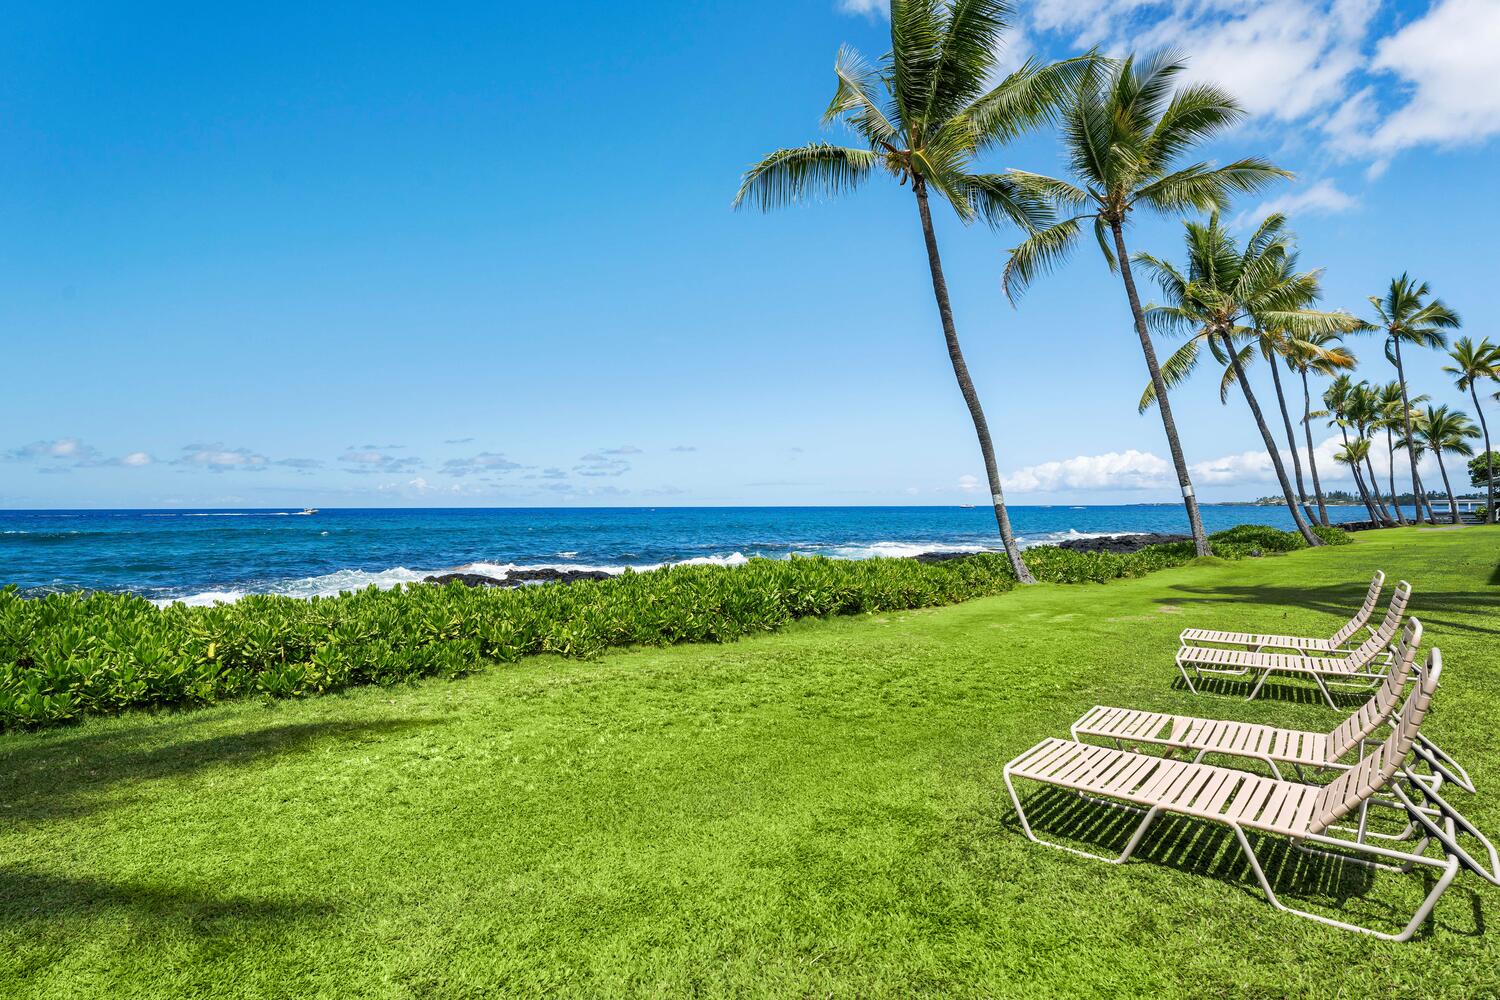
x=815 y=812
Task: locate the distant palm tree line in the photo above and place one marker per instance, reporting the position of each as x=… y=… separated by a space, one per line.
x=926 y=110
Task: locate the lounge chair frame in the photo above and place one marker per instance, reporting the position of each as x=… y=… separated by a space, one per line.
x=1364 y=668
x=1342 y=641
x=1248 y=803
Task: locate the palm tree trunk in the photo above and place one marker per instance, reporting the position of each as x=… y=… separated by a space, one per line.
x=1447 y=486
x=966 y=386
x=1411 y=444
x=1174 y=444
x=1271 y=449
x=1312 y=460
x=1359 y=480
x=1426 y=501
x=1385 y=513
x=1489 y=459
x=1390 y=471
x=1291 y=437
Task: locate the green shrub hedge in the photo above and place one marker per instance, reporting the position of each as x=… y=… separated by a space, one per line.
x=64 y=656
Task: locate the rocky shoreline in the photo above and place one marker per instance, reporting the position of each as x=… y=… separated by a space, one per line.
x=1118 y=544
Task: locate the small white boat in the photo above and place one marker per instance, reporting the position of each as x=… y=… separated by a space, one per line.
x=309 y=510
x=965 y=506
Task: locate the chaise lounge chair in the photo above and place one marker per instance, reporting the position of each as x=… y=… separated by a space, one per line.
x=1364 y=666
x=1256 y=642
x=1247 y=803
x=1271 y=744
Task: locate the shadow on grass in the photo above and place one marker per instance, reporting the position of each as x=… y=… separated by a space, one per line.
x=1459 y=610
x=67 y=778
x=1295 y=694
x=27 y=896
x=1341 y=889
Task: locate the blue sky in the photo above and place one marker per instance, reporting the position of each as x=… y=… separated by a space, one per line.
x=467 y=255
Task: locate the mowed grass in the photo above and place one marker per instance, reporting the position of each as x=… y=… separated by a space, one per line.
x=815 y=812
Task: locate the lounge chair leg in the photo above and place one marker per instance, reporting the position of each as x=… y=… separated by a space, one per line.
x=1134 y=842
x=1449 y=871
x=1327 y=696
x=1183 y=667
x=1443 y=764
x=1264 y=675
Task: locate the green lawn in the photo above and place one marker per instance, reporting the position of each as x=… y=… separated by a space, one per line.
x=815 y=812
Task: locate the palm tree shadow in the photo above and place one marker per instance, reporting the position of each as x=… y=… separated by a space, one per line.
x=29 y=896
x=1340 y=888
x=51 y=779
x=1458 y=610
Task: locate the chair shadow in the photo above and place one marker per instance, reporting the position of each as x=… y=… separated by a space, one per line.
x=1294 y=694
x=66 y=778
x=29 y=896
x=1210 y=850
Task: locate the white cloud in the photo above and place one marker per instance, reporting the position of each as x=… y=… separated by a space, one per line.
x=1116 y=470
x=136 y=459
x=64 y=454
x=372 y=460
x=218 y=458
x=1445 y=62
x=968 y=483
x=1318 y=62
x=1322 y=198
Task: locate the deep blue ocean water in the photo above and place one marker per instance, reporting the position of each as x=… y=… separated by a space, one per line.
x=201 y=555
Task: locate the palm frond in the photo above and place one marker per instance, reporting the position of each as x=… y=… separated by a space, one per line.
x=1028 y=98
x=789 y=176
x=1174 y=372
x=1038 y=254
x=854 y=100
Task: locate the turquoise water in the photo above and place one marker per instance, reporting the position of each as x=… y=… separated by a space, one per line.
x=201 y=556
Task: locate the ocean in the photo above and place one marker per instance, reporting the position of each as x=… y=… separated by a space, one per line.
x=201 y=556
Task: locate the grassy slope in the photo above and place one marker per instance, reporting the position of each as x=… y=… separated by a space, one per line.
x=818 y=811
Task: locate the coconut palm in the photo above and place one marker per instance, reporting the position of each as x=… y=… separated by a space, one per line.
x=1442 y=429
x=1365 y=413
x=1338 y=399
x=1471 y=363
x=1226 y=299
x=1318 y=352
x=1125 y=129
x=1408 y=318
x=1354 y=452
x=1392 y=414
x=923 y=114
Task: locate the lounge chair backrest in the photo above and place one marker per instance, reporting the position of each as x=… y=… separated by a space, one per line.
x=1372 y=597
x=1389 y=625
x=1373 y=713
x=1344 y=794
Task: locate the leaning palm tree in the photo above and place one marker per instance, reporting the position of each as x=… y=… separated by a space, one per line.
x=1341 y=400
x=1407 y=318
x=1471 y=363
x=1124 y=130
x=924 y=113
x=1442 y=429
x=1366 y=415
x=1393 y=415
x=1225 y=299
x=1322 y=353
x=1355 y=452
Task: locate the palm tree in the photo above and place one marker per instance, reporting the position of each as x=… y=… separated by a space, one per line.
x=1228 y=295
x=924 y=113
x=1443 y=430
x=1363 y=409
x=1391 y=412
x=1322 y=353
x=1406 y=318
x=1353 y=453
x=1337 y=400
x=1472 y=362
x=1125 y=129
